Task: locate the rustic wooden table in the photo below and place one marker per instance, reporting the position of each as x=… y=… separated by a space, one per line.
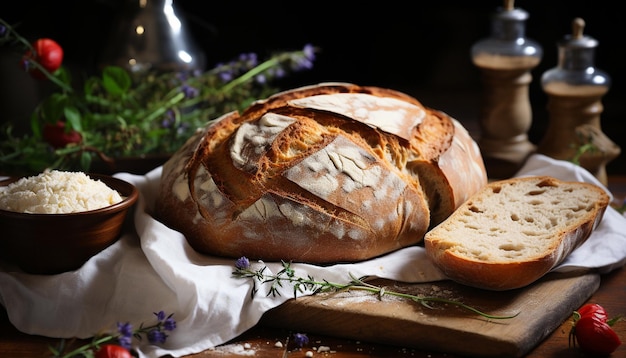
x=263 y=341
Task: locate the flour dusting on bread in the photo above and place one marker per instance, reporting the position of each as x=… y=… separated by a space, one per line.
x=328 y=173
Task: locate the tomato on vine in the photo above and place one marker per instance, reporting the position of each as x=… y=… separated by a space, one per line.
x=112 y=351
x=592 y=331
x=47 y=53
x=596 y=337
x=58 y=136
x=595 y=310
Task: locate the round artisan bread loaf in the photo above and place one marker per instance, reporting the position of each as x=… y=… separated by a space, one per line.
x=327 y=173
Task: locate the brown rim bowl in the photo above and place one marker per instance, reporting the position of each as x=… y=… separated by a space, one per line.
x=55 y=243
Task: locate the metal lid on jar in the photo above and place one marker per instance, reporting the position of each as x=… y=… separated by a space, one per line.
x=508 y=22
x=576 y=64
x=577 y=51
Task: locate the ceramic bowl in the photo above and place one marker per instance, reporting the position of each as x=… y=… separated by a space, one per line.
x=55 y=243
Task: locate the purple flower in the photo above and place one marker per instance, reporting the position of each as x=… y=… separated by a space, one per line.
x=125 y=342
x=300 y=339
x=182 y=128
x=160 y=315
x=242 y=263
x=243 y=57
x=168 y=118
x=189 y=91
x=261 y=79
x=182 y=76
x=302 y=63
x=3 y=30
x=249 y=60
x=156 y=336
x=278 y=72
x=226 y=74
x=125 y=329
x=309 y=52
x=270 y=74
x=126 y=334
x=169 y=324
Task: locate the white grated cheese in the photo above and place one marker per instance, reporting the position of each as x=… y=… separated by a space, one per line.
x=57 y=192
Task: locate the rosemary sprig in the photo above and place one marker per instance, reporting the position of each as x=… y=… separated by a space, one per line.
x=287 y=274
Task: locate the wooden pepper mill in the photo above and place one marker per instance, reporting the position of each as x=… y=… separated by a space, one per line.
x=505 y=60
x=575 y=89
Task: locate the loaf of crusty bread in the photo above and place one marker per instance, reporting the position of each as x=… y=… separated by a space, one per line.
x=512 y=232
x=327 y=173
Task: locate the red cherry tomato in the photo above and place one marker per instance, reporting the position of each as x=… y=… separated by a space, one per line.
x=48 y=53
x=112 y=351
x=595 y=310
x=595 y=337
x=58 y=137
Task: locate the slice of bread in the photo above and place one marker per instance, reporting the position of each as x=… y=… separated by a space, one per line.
x=512 y=232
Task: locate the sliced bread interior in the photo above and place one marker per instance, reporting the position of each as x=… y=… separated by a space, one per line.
x=514 y=231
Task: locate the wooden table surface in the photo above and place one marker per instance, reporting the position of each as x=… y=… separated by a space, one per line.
x=263 y=341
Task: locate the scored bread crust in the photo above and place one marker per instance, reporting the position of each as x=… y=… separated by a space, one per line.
x=325 y=173
x=514 y=231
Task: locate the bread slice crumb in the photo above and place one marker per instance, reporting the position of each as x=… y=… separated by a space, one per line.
x=514 y=231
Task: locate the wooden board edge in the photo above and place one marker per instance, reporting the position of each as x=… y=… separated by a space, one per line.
x=304 y=315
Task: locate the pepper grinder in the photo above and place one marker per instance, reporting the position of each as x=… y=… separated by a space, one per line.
x=575 y=89
x=505 y=60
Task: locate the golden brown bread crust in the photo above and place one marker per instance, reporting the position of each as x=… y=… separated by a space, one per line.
x=326 y=173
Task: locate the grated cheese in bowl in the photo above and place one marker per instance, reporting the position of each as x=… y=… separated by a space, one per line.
x=57 y=192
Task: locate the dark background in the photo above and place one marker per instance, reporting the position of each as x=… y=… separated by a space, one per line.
x=422 y=48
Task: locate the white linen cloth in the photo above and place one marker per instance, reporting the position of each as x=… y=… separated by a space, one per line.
x=155 y=269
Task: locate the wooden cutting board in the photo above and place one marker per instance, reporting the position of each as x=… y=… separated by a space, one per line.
x=362 y=316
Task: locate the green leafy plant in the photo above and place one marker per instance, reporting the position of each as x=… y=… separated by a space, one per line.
x=585 y=145
x=120 y=114
x=243 y=269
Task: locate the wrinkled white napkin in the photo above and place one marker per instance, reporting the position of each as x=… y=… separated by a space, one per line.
x=155 y=269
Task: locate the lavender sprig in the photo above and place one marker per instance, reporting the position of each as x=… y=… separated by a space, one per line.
x=243 y=269
x=156 y=334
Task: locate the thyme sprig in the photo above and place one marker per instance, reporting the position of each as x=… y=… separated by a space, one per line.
x=300 y=284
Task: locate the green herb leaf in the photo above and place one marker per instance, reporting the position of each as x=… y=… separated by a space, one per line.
x=73 y=117
x=116 y=80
